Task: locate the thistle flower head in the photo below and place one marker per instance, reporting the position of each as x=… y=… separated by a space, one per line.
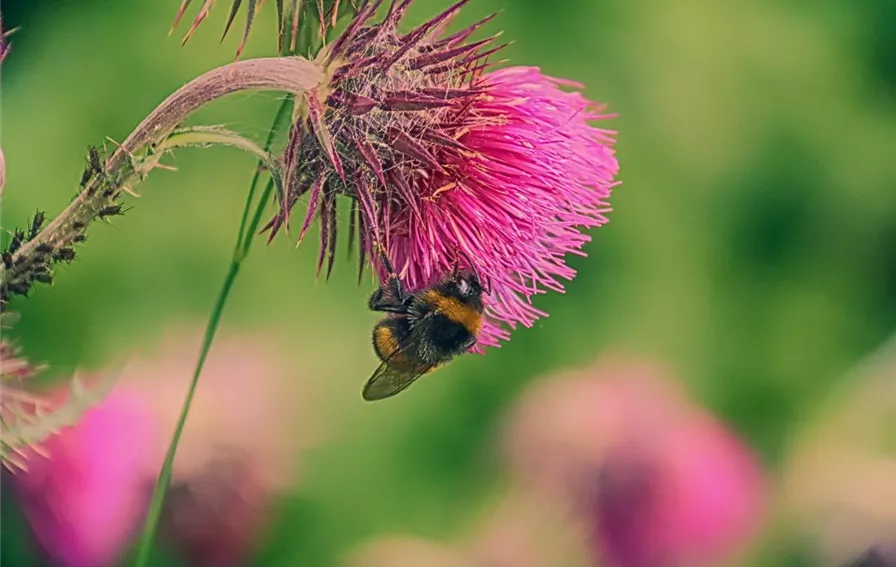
x=444 y=160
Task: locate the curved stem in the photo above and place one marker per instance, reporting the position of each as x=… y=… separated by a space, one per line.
x=293 y=75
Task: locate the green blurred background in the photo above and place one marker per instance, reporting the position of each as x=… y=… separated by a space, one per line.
x=752 y=245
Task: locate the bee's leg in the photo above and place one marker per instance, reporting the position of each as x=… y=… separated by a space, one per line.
x=380 y=300
x=394 y=282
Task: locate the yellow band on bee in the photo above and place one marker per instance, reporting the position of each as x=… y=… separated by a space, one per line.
x=456 y=310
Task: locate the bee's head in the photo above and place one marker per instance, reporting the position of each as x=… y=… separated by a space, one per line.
x=464 y=283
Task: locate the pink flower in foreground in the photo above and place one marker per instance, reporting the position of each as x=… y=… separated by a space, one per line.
x=445 y=162
x=660 y=481
x=88 y=497
x=240 y=443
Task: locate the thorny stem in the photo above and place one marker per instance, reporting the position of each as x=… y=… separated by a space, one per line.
x=241 y=249
x=293 y=75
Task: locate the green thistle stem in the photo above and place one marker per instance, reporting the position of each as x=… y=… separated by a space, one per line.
x=241 y=250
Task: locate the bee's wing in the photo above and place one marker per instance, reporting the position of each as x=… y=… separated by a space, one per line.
x=388 y=380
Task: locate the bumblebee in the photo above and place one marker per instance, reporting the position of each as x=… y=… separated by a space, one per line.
x=424 y=330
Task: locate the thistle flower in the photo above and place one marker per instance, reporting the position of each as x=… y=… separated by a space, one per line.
x=659 y=481
x=445 y=161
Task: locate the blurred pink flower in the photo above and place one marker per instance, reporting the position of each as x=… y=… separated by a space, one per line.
x=240 y=444
x=527 y=530
x=661 y=482
x=406 y=551
x=444 y=161
x=238 y=449
x=839 y=484
x=86 y=499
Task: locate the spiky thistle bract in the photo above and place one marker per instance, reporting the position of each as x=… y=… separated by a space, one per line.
x=291 y=15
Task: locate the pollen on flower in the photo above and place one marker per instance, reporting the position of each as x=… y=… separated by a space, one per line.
x=443 y=156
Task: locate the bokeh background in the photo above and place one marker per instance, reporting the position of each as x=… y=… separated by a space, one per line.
x=752 y=247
